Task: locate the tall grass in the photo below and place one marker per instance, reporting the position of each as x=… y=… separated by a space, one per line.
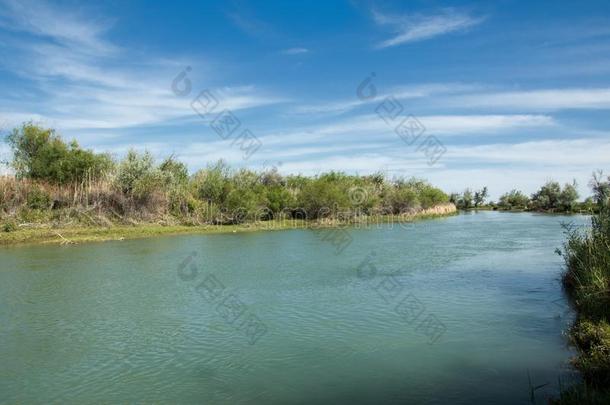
x=587 y=282
x=88 y=202
x=587 y=276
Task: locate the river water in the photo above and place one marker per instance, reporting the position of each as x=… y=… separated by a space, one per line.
x=465 y=309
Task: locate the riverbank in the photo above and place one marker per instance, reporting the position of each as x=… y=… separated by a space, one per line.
x=587 y=283
x=47 y=234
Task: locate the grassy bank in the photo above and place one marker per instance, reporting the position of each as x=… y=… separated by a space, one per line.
x=47 y=234
x=587 y=282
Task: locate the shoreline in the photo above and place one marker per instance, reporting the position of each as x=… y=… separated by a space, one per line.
x=48 y=235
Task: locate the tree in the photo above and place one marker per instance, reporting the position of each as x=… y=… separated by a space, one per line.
x=601 y=189
x=466 y=199
x=547 y=197
x=568 y=197
x=324 y=195
x=41 y=154
x=514 y=199
x=133 y=170
x=551 y=197
x=212 y=184
x=480 y=196
x=176 y=172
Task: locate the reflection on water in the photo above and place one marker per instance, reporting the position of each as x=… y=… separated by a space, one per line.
x=117 y=322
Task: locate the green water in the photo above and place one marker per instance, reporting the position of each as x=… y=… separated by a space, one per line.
x=454 y=310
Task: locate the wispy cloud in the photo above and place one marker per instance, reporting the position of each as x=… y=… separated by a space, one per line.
x=372 y=129
x=246 y=20
x=418 y=27
x=409 y=92
x=295 y=51
x=64 y=26
x=85 y=81
x=538 y=99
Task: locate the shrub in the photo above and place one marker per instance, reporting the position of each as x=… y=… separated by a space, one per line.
x=174 y=172
x=551 y=197
x=326 y=195
x=211 y=184
x=514 y=199
x=41 y=154
x=38 y=198
x=593 y=341
x=134 y=168
x=9 y=226
x=403 y=199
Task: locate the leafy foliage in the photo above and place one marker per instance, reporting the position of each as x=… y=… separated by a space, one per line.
x=480 y=196
x=551 y=197
x=138 y=187
x=41 y=154
x=514 y=200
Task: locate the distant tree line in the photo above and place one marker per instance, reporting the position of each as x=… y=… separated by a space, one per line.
x=551 y=197
x=469 y=199
x=55 y=180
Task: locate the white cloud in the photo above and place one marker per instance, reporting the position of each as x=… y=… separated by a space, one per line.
x=540 y=100
x=371 y=127
x=410 y=92
x=487 y=124
x=65 y=26
x=590 y=153
x=89 y=83
x=463 y=96
x=295 y=51
x=412 y=28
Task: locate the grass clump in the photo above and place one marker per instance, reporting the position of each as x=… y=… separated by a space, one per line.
x=9 y=226
x=593 y=340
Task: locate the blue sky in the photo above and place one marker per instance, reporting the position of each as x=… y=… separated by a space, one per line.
x=517 y=92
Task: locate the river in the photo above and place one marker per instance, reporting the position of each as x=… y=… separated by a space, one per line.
x=464 y=309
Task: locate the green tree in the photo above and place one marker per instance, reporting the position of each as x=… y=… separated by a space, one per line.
x=325 y=195
x=41 y=154
x=568 y=197
x=547 y=197
x=134 y=170
x=601 y=189
x=466 y=201
x=514 y=199
x=174 y=171
x=480 y=196
x=212 y=184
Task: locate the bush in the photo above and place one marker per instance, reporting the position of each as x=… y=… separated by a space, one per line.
x=593 y=341
x=175 y=173
x=402 y=199
x=9 y=226
x=38 y=199
x=211 y=184
x=323 y=196
x=41 y=154
x=133 y=169
x=551 y=197
x=512 y=200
